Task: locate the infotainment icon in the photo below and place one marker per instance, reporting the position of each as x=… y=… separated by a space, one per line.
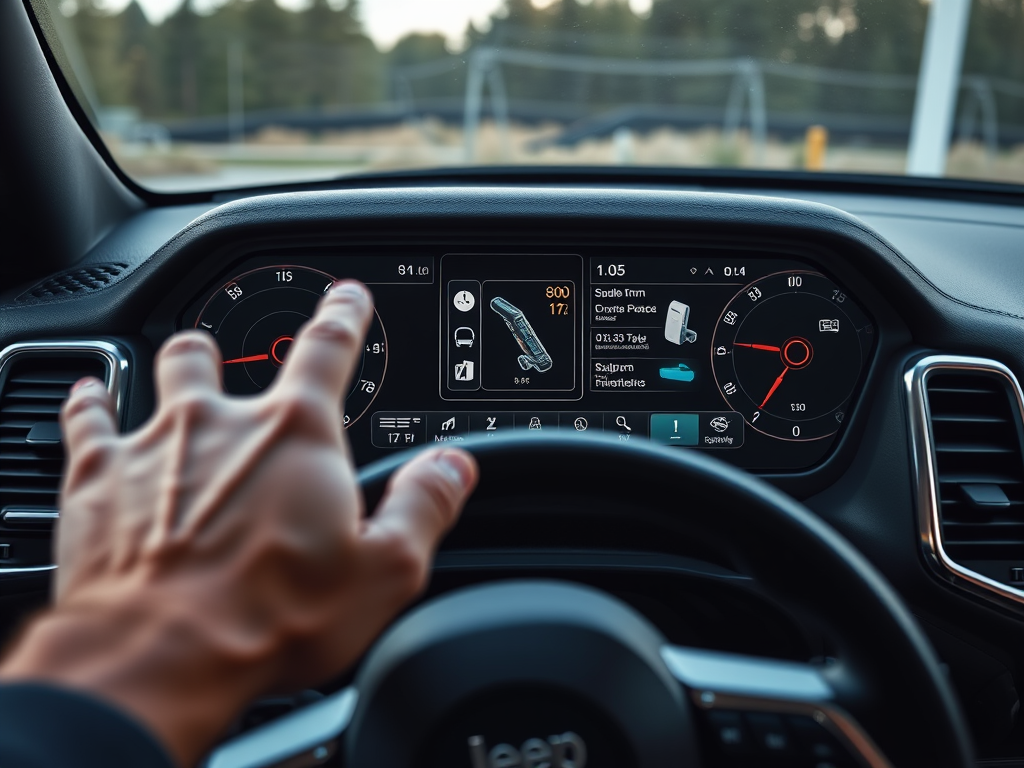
x=534 y=354
x=676 y=320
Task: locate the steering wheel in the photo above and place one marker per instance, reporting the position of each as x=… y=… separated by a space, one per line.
x=546 y=674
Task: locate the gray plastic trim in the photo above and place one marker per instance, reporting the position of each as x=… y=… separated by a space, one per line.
x=927 y=482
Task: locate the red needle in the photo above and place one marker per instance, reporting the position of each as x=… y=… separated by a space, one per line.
x=772 y=390
x=250 y=359
x=765 y=347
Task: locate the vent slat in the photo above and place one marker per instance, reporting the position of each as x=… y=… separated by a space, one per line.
x=962 y=390
x=22 y=409
x=37 y=393
x=977 y=442
x=52 y=378
x=34 y=472
x=969 y=418
x=987 y=543
x=973 y=448
x=26 y=457
x=16 y=424
x=993 y=524
x=960 y=478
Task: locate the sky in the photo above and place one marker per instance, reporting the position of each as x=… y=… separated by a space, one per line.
x=386 y=21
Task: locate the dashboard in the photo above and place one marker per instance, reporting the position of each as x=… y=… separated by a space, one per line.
x=774 y=331
x=754 y=356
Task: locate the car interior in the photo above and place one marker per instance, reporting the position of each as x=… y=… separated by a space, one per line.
x=751 y=441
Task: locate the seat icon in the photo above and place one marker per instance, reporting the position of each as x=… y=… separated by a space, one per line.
x=464 y=337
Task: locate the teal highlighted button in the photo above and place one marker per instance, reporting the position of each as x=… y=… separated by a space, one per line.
x=675 y=428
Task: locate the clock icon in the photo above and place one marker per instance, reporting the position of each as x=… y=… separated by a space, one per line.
x=464 y=301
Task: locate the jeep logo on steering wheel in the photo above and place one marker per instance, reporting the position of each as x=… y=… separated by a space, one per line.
x=565 y=751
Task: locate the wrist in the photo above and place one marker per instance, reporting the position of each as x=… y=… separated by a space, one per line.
x=162 y=669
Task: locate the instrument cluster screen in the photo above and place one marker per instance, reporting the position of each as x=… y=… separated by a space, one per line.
x=755 y=359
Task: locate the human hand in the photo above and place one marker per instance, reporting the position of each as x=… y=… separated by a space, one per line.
x=221 y=551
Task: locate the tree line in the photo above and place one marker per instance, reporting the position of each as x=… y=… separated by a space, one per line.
x=321 y=58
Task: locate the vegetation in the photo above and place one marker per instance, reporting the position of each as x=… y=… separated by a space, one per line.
x=321 y=59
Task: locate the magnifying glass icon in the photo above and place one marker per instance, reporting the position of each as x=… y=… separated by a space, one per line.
x=621 y=421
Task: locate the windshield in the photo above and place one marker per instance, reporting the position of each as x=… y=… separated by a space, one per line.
x=207 y=94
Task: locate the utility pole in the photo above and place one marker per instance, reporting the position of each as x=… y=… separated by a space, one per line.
x=236 y=96
x=938 y=85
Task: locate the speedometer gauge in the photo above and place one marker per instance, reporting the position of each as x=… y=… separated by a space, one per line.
x=254 y=318
x=788 y=352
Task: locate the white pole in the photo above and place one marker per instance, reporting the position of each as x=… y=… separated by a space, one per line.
x=479 y=63
x=499 y=106
x=236 y=97
x=758 y=113
x=938 y=84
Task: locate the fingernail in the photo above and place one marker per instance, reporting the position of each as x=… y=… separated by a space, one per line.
x=88 y=381
x=458 y=466
x=349 y=288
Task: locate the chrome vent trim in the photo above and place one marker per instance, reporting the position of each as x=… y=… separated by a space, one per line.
x=116 y=361
x=922 y=443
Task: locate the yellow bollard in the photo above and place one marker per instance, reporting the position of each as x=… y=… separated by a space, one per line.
x=815 y=146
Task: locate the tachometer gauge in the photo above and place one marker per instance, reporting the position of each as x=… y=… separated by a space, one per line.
x=254 y=318
x=788 y=352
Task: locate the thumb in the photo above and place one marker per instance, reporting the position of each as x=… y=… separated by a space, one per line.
x=422 y=501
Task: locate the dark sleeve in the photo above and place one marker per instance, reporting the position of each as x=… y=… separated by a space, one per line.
x=43 y=726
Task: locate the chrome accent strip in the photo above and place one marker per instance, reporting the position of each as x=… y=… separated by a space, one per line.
x=306 y=737
x=922 y=449
x=729 y=681
x=24 y=516
x=28 y=569
x=116 y=359
x=117 y=385
x=745 y=675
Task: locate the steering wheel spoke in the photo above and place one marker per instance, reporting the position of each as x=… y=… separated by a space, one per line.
x=307 y=737
x=756 y=711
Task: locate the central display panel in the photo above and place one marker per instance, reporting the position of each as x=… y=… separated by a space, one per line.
x=756 y=359
x=505 y=336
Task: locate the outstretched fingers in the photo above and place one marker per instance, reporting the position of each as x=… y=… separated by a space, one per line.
x=188 y=363
x=87 y=420
x=323 y=358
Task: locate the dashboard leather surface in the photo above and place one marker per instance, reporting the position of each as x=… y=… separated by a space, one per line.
x=589 y=212
x=979 y=264
x=632 y=211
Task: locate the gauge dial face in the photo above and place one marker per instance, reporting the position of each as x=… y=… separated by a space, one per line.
x=788 y=352
x=254 y=318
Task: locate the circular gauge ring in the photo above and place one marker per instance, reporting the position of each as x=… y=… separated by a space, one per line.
x=255 y=316
x=787 y=353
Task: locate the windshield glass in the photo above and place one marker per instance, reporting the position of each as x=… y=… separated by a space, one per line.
x=203 y=94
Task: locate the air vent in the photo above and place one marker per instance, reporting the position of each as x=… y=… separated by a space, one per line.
x=34 y=381
x=82 y=280
x=969 y=442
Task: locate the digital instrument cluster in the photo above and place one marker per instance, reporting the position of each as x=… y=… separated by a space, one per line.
x=756 y=359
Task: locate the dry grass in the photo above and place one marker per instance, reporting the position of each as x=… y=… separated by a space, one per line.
x=430 y=143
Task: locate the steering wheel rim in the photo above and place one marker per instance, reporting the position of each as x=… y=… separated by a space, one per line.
x=860 y=703
x=887 y=677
